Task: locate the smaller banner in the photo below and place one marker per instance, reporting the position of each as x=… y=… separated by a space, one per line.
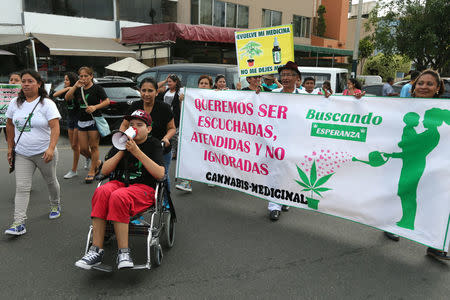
x=262 y=51
x=7 y=93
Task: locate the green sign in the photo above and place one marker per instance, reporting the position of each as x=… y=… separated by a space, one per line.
x=339 y=132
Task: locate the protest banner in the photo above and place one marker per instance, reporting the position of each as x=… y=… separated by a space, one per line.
x=262 y=51
x=7 y=93
x=378 y=161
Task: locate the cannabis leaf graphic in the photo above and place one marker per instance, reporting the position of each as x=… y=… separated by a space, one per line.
x=313 y=183
x=251 y=49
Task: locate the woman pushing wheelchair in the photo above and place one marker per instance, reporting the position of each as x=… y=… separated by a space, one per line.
x=131 y=191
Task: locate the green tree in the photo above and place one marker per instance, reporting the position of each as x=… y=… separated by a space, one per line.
x=418 y=29
x=366 y=48
x=321 y=25
x=386 y=65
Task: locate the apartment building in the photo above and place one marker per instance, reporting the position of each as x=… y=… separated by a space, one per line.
x=60 y=35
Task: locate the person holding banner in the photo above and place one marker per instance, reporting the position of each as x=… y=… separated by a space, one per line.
x=204 y=82
x=88 y=135
x=427 y=85
x=220 y=83
x=309 y=86
x=33 y=132
x=254 y=84
x=73 y=112
x=353 y=88
x=289 y=75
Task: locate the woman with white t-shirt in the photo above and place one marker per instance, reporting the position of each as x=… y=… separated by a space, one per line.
x=37 y=117
x=169 y=92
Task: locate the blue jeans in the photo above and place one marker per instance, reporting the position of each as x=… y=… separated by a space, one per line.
x=167 y=159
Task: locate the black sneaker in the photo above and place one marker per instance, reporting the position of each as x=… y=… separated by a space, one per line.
x=92 y=258
x=124 y=259
x=392 y=236
x=438 y=254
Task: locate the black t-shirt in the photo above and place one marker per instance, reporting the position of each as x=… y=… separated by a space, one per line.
x=73 y=107
x=161 y=115
x=93 y=95
x=137 y=173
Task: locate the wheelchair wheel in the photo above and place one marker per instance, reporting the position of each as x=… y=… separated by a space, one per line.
x=155 y=256
x=167 y=237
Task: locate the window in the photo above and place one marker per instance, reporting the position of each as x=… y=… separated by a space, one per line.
x=99 y=9
x=242 y=16
x=148 y=11
x=302 y=26
x=231 y=15
x=219 y=13
x=271 y=18
x=206 y=11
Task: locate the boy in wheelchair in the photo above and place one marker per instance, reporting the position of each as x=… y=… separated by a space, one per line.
x=132 y=191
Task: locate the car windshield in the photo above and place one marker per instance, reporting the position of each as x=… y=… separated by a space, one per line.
x=121 y=92
x=319 y=77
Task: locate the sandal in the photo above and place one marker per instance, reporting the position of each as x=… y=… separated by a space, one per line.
x=99 y=168
x=89 y=178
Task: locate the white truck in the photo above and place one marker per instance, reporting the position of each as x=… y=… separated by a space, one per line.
x=337 y=76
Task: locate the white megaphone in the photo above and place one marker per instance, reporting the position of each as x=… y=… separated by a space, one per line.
x=119 y=139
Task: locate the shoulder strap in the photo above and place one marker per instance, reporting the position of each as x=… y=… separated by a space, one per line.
x=24 y=125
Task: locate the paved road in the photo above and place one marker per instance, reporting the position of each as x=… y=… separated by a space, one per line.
x=225 y=248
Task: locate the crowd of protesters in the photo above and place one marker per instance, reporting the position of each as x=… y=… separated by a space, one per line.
x=32 y=132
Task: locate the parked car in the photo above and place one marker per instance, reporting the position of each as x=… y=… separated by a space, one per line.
x=121 y=91
x=377 y=89
x=189 y=73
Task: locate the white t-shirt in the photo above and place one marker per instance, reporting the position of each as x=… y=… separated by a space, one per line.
x=168 y=97
x=36 y=136
x=296 y=90
x=314 y=91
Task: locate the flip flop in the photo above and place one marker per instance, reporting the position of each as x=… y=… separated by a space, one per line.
x=99 y=168
x=89 y=178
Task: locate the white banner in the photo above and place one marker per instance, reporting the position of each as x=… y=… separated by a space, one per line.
x=378 y=161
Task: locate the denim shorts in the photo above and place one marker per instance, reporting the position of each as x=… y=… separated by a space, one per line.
x=72 y=122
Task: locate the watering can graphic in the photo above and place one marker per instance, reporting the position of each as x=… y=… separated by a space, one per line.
x=376 y=159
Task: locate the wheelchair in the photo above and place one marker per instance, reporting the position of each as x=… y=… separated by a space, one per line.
x=157 y=224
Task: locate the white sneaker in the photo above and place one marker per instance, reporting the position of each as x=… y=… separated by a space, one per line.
x=124 y=259
x=87 y=163
x=185 y=185
x=70 y=174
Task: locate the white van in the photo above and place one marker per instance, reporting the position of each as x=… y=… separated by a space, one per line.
x=369 y=79
x=336 y=76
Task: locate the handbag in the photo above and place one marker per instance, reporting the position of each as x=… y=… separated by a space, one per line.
x=100 y=122
x=12 y=167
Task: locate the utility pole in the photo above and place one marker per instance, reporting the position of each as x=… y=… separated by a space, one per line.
x=356 y=46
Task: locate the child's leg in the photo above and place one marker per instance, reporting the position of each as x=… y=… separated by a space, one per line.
x=98 y=232
x=121 y=230
x=125 y=202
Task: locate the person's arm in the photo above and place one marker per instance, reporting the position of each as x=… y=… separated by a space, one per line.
x=124 y=125
x=70 y=93
x=91 y=108
x=111 y=164
x=61 y=91
x=152 y=167
x=10 y=138
x=278 y=83
x=171 y=130
x=54 y=135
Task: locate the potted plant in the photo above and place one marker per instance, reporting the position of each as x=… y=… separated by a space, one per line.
x=313 y=184
x=251 y=50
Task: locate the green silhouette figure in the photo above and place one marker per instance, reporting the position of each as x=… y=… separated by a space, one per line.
x=415 y=148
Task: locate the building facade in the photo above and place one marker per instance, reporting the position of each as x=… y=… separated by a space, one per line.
x=60 y=35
